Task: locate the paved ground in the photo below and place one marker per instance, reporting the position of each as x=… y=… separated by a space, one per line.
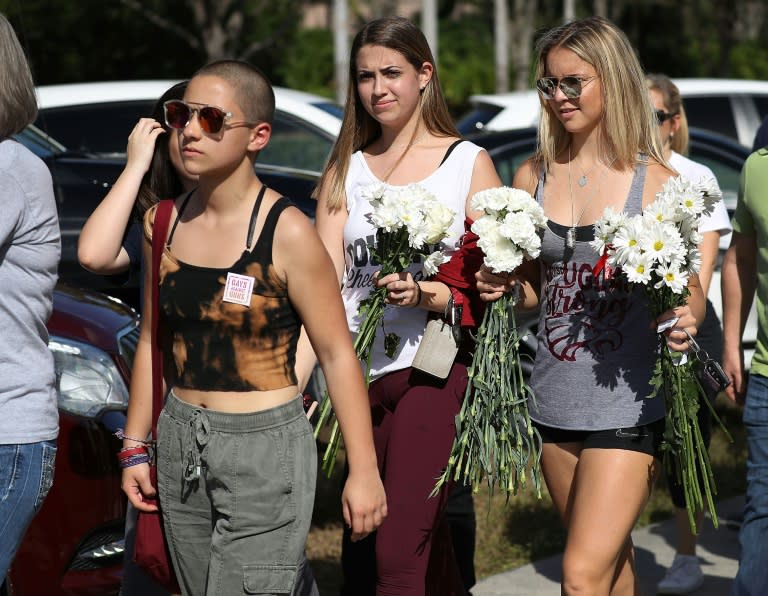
x=718 y=551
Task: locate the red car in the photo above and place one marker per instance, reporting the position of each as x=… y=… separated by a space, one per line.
x=75 y=543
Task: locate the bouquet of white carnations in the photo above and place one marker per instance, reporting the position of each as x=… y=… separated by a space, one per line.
x=409 y=221
x=659 y=250
x=494 y=436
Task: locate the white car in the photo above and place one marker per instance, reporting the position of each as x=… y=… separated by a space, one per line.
x=731 y=107
x=95 y=119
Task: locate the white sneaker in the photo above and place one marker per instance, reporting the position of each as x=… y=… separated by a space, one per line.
x=682 y=577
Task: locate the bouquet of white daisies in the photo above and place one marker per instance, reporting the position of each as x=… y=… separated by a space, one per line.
x=494 y=436
x=409 y=222
x=659 y=250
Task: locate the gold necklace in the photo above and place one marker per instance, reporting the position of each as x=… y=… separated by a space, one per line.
x=570 y=235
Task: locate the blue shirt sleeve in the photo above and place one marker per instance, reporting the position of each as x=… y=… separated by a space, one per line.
x=132 y=244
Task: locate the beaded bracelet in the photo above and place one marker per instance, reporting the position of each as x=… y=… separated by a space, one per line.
x=134 y=460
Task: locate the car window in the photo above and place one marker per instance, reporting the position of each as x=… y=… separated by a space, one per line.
x=724 y=162
x=103 y=129
x=99 y=129
x=476 y=118
x=333 y=109
x=761 y=103
x=727 y=178
x=293 y=143
x=711 y=113
x=508 y=158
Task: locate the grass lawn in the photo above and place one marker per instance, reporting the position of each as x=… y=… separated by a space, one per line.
x=524 y=529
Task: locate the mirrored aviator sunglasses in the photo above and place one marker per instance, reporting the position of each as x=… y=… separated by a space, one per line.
x=179 y=113
x=570 y=86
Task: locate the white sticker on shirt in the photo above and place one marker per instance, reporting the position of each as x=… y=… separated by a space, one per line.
x=238 y=289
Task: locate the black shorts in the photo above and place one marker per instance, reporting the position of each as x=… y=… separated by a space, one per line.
x=645 y=439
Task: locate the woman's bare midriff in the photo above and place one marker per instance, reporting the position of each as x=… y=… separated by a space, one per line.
x=237 y=402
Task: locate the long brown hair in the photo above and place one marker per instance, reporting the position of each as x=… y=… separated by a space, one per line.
x=629 y=123
x=161 y=181
x=359 y=129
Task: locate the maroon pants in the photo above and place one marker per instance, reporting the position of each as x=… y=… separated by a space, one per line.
x=413 y=426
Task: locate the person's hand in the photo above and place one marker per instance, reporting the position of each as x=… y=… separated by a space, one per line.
x=363 y=502
x=402 y=289
x=493 y=286
x=141 y=143
x=684 y=321
x=138 y=488
x=733 y=366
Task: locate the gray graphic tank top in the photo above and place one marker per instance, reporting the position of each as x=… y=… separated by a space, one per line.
x=596 y=348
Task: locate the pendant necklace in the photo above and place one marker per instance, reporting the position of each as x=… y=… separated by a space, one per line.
x=570 y=235
x=582 y=181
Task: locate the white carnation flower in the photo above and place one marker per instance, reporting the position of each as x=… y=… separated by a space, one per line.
x=438 y=221
x=500 y=254
x=490 y=200
x=432 y=262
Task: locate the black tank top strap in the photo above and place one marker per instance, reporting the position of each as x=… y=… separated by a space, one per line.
x=254 y=213
x=178 y=217
x=264 y=242
x=450 y=150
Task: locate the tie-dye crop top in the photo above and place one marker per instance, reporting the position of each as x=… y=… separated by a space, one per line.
x=223 y=346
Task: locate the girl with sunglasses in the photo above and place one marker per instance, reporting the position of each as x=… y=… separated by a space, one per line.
x=110 y=241
x=397 y=131
x=598 y=148
x=241 y=271
x=685 y=575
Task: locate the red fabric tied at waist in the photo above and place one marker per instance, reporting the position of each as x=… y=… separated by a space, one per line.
x=459 y=275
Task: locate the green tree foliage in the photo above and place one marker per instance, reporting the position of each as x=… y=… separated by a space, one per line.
x=750 y=61
x=82 y=40
x=465 y=62
x=96 y=40
x=307 y=63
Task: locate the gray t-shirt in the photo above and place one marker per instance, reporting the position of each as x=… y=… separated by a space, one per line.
x=30 y=248
x=596 y=348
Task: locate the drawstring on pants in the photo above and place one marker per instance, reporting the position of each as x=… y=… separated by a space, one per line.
x=197 y=438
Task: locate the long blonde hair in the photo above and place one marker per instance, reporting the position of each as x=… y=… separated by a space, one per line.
x=673 y=103
x=628 y=121
x=359 y=129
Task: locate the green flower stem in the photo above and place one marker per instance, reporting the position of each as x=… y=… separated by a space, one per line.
x=495 y=440
x=394 y=254
x=685 y=455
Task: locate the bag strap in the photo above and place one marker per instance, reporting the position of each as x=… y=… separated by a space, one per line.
x=159 y=233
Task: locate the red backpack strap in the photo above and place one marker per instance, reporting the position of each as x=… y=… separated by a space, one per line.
x=159 y=234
